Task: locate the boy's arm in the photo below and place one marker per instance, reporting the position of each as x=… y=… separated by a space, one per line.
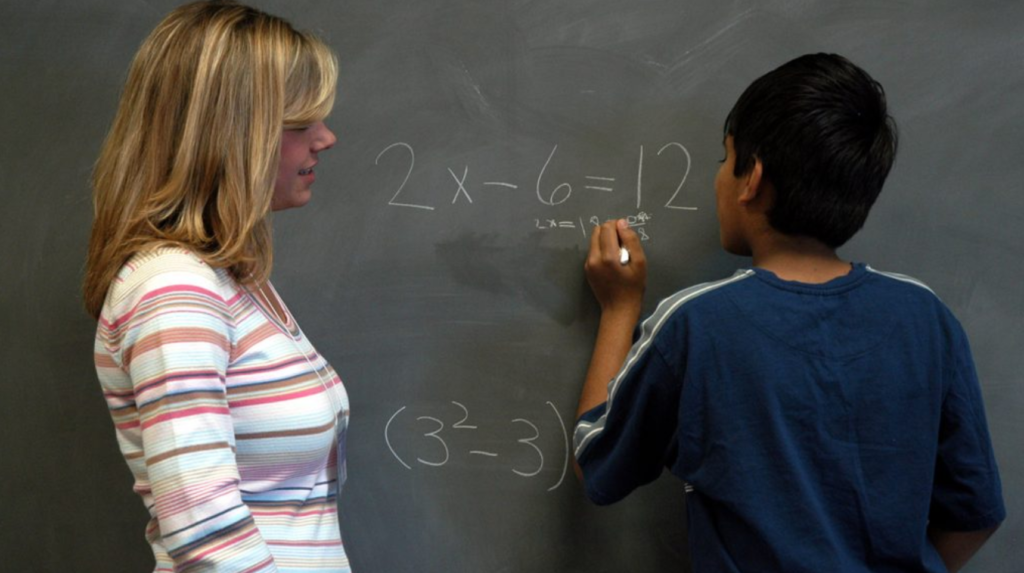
x=967 y=504
x=957 y=547
x=614 y=339
x=619 y=291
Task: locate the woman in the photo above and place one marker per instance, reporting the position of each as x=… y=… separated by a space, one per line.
x=230 y=421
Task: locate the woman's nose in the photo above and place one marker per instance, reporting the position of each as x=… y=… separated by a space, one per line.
x=325 y=138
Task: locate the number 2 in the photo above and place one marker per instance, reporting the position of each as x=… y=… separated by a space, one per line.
x=461 y=425
x=686 y=174
x=412 y=163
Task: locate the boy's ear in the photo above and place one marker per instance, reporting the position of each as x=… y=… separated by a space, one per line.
x=752 y=186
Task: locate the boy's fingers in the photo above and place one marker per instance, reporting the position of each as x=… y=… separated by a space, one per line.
x=629 y=239
x=609 y=240
x=595 y=241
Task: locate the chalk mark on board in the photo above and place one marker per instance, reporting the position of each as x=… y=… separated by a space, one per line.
x=639 y=176
x=686 y=174
x=462 y=187
x=388 y=439
x=557 y=195
x=704 y=44
x=412 y=163
x=565 y=466
x=529 y=442
x=434 y=434
x=599 y=187
x=551 y=200
x=460 y=425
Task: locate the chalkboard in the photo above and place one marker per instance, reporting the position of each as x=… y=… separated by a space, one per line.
x=439 y=266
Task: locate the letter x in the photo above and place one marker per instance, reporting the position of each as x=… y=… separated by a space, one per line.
x=462 y=189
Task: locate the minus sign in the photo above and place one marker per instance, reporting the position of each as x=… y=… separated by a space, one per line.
x=509 y=185
x=479 y=453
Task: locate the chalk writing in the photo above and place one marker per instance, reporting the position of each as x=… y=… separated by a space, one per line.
x=547 y=193
x=605 y=180
x=462 y=185
x=433 y=442
x=686 y=173
x=412 y=163
x=636 y=222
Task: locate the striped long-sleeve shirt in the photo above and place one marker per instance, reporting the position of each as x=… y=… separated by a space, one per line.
x=226 y=416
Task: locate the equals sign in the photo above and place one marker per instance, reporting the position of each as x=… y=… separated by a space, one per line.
x=603 y=180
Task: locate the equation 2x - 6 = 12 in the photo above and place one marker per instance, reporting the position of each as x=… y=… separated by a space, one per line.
x=545 y=194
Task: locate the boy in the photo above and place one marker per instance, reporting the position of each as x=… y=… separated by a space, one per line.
x=825 y=416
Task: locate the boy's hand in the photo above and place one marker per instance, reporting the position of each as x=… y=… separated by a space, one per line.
x=619 y=289
x=616 y=286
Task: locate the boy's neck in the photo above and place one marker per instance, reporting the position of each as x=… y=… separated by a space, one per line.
x=800 y=259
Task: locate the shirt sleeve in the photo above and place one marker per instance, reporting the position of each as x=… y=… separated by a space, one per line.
x=967 y=493
x=175 y=348
x=625 y=442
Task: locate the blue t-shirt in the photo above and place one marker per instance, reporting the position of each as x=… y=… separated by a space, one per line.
x=818 y=427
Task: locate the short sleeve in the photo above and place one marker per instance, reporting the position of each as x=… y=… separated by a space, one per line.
x=625 y=442
x=967 y=494
x=175 y=341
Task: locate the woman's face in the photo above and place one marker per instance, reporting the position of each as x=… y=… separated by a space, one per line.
x=299 y=149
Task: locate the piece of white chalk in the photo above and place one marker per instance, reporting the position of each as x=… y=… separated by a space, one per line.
x=623 y=256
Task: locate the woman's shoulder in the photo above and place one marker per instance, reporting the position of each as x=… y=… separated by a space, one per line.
x=168 y=270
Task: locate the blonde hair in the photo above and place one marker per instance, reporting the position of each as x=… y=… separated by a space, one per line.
x=192 y=155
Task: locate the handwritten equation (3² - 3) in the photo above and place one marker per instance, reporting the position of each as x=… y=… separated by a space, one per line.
x=545 y=192
x=440 y=453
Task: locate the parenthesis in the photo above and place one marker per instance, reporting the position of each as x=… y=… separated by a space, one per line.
x=388 y=440
x=565 y=434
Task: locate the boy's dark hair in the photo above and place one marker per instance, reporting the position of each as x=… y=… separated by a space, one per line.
x=820 y=127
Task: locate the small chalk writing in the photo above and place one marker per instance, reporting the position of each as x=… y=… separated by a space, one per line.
x=637 y=222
